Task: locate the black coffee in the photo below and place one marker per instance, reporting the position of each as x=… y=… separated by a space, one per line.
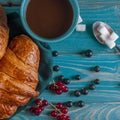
x=49 y=18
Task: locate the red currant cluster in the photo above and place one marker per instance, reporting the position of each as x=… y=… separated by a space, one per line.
x=60 y=112
x=58 y=87
x=40 y=104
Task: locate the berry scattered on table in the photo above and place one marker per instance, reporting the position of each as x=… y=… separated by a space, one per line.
x=91 y=87
x=68 y=104
x=61 y=117
x=44 y=103
x=88 y=53
x=66 y=81
x=84 y=91
x=41 y=107
x=31 y=109
x=59 y=105
x=55 y=53
x=58 y=92
x=52 y=87
x=64 y=110
x=77 y=77
x=56 y=68
x=77 y=93
x=37 y=111
x=60 y=78
x=65 y=89
x=60 y=83
x=97 y=81
x=54 y=113
x=80 y=103
x=38 y=102
x=97 y=68
x=67 y=118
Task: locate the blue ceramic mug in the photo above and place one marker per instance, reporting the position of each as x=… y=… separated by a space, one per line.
x=75 y=7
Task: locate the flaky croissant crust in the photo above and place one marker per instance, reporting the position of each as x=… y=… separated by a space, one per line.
x=18 y=75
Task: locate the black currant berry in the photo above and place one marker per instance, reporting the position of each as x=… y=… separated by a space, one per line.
x=92 y=87
x=77 y=93
x=88 y=53
x=80 y=103
x=84 y=91
x=56 y=68
x=66 y=81
x=55 y=53
x=69 y=104
x=60 y=78
x=97 y=81
x=77 y=77
x=97 y=68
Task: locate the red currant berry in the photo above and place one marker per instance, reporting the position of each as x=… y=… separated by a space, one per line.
x=37 y=111
x=32 y=109
x=60 y=87
x=59 y=105
x=64 y=110
x=61 y=117
x=52 y=87
x=54 y=114
x=44 y=103
x=38 y=101
x=65 y=89
x=59 y=83
x=67 y=118
x=58 y=92
x=41 y=107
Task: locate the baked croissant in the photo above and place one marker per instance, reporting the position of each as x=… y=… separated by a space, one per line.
x=6 y=110
x=18 y=75
x=4 y=32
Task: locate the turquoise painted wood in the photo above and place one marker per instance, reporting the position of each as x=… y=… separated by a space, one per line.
x=104 y=102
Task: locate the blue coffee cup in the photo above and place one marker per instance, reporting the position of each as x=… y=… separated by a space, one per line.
x=75 y=7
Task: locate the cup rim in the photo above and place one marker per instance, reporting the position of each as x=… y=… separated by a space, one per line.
x=42 y=39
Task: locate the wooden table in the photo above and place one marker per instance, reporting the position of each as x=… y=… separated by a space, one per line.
x=103 y=103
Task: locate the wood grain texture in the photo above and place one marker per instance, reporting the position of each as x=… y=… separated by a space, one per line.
x=104 y=102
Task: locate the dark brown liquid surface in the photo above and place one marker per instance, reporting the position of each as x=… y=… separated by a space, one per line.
x=49 y=18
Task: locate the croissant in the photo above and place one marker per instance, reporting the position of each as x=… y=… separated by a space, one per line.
x=6 y=110
x=4 y=32
x=18 y=75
